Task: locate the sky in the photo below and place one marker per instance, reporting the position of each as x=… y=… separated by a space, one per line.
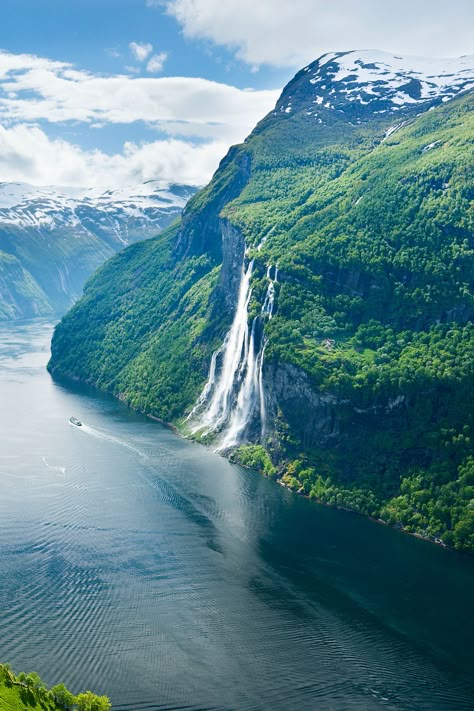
x=108 y=93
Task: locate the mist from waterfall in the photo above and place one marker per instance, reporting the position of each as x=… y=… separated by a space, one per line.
x=234 y=394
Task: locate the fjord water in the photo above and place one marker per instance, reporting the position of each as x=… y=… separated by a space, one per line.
x=148 y=568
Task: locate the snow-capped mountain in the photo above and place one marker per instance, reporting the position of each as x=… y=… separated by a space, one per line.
x=52 y=239
x=116 y=216
x=365 y=82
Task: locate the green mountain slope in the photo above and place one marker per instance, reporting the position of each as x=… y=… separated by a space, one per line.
x=360 y=384
x=21 y=294
x=42 y=273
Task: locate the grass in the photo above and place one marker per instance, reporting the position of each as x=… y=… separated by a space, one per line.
x=14 y=696
x=27 y=691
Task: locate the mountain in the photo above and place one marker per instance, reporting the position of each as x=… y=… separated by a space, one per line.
x=365 y=83
x=311 y=314
x=52 y=239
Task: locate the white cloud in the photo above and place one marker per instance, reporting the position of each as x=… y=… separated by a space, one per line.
x=28 y=155
x=292 y=33
x=156 y=62
x=23 y=62
x=36 y=89
x=112 y=52
x=140 y=50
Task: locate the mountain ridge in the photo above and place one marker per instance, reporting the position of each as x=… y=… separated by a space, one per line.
x=52 y=239
x=377 y=82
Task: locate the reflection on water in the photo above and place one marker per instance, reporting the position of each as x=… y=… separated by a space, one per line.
x=147 y=568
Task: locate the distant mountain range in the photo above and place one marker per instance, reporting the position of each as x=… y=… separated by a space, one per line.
x=52 y=239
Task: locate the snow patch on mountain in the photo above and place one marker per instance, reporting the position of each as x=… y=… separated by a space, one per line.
x=377 y=81
x=52 y=239
x=50 y=207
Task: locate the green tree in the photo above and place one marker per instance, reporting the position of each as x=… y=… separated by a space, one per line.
x=91 y=702
x=63 y=696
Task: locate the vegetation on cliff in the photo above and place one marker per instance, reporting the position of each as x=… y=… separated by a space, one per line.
x=371 y=226
x=24 y=691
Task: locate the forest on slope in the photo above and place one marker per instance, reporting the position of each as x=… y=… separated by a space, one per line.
x=369 y=363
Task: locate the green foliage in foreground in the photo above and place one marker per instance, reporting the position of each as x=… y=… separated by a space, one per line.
x=374 y=241
x=25 y=691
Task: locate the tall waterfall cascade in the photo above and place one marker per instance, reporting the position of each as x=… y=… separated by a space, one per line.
x=234 y=394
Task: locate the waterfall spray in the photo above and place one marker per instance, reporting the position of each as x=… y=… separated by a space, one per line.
x=233 y=396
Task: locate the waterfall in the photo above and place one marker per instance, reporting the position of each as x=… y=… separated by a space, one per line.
x=261 y=395
x=209 y=385
x=234 y=394
x=267 y=310
x=267 y=307
x=244 y=404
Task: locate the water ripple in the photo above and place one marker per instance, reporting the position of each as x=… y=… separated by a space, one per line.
x=146 y=568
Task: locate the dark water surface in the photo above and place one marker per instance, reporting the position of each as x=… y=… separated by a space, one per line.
x=145 y=567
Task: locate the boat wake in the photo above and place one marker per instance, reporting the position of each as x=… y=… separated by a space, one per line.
x=60 y=470
x=98 y=433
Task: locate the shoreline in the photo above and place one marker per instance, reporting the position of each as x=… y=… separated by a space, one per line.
x=379 y=521
x=174 y=428
x=345 y=509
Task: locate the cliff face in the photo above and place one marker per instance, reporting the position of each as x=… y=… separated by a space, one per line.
x=204 y=232
x=290 y=393
x=322 y=283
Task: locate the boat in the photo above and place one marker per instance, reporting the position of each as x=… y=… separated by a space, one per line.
x=75 y=421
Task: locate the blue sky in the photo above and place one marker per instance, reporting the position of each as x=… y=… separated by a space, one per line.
x=105 y=92
x=81 y=32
